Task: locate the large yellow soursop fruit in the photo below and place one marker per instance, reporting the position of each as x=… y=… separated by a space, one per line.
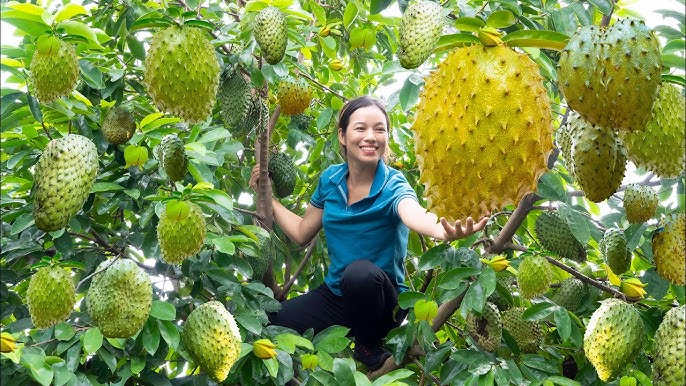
x=182 y=234
x=669 y=363
x=271 y=34
x=118 y=126
x=613 y=337
x=669 y=248
x=50 y=296
x=119 y=298
x=212 y=339
x=63 y=179
x=640 y=203
x=659 y=147
x=294 y=95
x=610 y=75
x=182 y=73
x=598 y=158
x=54 y=69
x=483 y=131
x=420 y=28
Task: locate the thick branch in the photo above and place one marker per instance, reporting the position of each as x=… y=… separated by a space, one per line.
x=513 y=223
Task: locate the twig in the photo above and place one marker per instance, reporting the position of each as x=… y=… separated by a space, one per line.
x=311 y=79
x=303 y=263
x=245 y=211
x=513 y=223
x=580 y=193
x=97 y=272
x=428 y=374
x=427 y=280
x=588 y=280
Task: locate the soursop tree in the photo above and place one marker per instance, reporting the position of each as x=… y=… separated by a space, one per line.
x=485 y=100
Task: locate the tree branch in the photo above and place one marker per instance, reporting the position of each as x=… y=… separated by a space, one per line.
x=513 y=223
x=311 y=79
x=286 y=287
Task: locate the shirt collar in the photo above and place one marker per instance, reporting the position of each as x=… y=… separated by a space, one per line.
x=380 y=177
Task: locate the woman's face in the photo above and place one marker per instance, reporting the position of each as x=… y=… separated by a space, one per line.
x=366 y=136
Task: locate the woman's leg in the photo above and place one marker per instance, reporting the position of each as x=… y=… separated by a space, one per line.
x=316 y=309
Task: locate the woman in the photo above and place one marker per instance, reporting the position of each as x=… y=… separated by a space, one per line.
x=367 y=210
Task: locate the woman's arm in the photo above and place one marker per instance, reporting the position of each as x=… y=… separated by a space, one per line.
x=426 y=223
x=299 y=229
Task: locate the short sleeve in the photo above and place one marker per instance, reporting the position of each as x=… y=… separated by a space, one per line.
x=402 y=189
x=317 y=199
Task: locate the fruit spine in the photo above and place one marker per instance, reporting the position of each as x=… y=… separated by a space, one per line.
x=54 y=69
x=420 y=28
x=118 y=126
x=63 y=177
x=271 y=34
x=181 y=235
x=294 y=95
x=182 y=73
x=669 y=248
x=640 y=203
x=50 y=296
x=472 y=119
x=669 y=367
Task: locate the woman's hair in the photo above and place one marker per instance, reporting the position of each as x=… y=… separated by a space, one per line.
x=353 y=105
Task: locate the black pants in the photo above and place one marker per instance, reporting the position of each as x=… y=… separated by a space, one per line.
x=367 y=306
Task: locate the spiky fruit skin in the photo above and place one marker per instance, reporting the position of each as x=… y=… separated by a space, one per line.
x=610 y=75
x=598 y=158
x=118 y=126
x=659 y=147
x=420 y=28
x=490 y=130
x=640 y=203
x=233 y=98
x=570 y=294
x=63 y=178
x=554 y=234
x=260 y=263
x=302 y=121
x=527 y=334
x=50 y=296
x=173 y=157
x=563 y=139
x=613 y=337
x=182 y=73
x=54 y=73
x=258 y=116
x=487 y=329
x=669 y=362
x=119 y=298
x=533 y=276
x=669 y=249
x=180 y=239
x=271 y=34
x=294 y=95
x=615 y=251
x=283 y=173
x=212 y=339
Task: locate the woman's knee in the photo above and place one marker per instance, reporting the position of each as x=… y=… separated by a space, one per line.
x=361 y=275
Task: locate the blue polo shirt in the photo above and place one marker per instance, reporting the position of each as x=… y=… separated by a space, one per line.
x=369 y=229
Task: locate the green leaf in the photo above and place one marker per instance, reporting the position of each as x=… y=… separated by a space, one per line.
x=540 y=363
x=578 y=223
x=109 y=359
x=40 y=371
x=79 y=29
x=407 y=299
x=220 y=197
x=170 y=333
x=409 y=93
x=224 y=245
x=377 y=6
x=99 y=187
x=344 y=372
x=362 y=37
x=137 y=364
x=501 y=19
x=151 y=337
x=539 y=311
x=27 y=8
x=332 y=339
x=34 y=106
x=200 y=23
x=563 y=381
x=434 y=257
x=551 y=40
x=469 y=24
x=91 y=74
x=448 y=42
x=150 y=20
x=162 y=310
x=64 y=331
x=24 y=221
x=135 y=156
x=288 y=342
x=324 y=118
x=69 y=11
x=563 y=323
x=272 y=366
x=673 y=61
x=92 y=340
x=453 y=278
x=604 y=6
x=350 y=14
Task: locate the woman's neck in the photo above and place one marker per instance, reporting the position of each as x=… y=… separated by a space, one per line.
x=360 y=174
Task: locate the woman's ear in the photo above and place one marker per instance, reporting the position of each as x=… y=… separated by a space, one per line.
x=341 y=137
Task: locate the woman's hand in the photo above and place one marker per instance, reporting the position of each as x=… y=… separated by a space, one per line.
x=457 y=231
x=255 y=178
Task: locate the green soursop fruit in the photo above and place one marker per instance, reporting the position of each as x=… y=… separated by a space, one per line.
x=173 y=158
x=487 y=329
x=598 y=158
x=669 y=367
x=50 y=296
x=533 y=276
x=271 y=34
x=615 y=251
x=257 y=117
x=570 y=294
x=490 y=130
x=118 y=126
x=554 y=234
x=233 y=97
x=302 y=122
x=182 y=73
x=640 y=203
x=563 y=139
x=610 y=75
x=212 y=339
x=294 y=95
x=420 y=28
x=54 y=69
x=182 y=233
x=63 y=178
x=659 y=147
x=283 y=173
x=260 y=263
x=527 y=334
x=669 y=248
x=119 y=298
x=613 y=337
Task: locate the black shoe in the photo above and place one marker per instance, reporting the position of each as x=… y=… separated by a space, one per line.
x=372 y=356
